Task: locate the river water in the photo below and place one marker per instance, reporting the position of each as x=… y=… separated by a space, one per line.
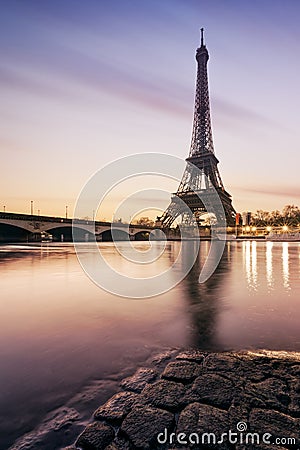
x=60 y=333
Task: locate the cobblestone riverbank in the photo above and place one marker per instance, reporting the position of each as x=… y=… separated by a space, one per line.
x=244 y=400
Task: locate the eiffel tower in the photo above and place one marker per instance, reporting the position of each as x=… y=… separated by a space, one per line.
x=201 y=177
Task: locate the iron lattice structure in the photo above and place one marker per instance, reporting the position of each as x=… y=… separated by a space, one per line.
x=201 y=175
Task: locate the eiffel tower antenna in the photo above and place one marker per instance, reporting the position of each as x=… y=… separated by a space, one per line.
x=201 y=174
x=202 y=36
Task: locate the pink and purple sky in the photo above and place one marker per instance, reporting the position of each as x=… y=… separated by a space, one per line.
x=85 y=82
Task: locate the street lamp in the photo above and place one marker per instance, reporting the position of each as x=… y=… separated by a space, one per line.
x=4 y=208
x=66 y=211
x=31 y=207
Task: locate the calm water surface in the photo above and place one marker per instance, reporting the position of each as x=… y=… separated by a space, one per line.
x=60 y=333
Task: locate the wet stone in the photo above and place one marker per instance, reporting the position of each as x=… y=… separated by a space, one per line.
x=61 y=417
x=183 y=371
x=213 y=420
x=238 y=413
x=256 y=369
x=119 y=443
x=279 y=425
x=191 y=355
x=116 y=407
x=197 y=421
x=222 y=363
x=255 y=372
x=162 y=357
x=295 y=370
x=142 y=426
x=138 y=381
x=295 y=385
x=294 y=406
x=164 y=394
x=271 y=393
x=95 y=437
x=239 y=367
x=188 y=418
x=212 y=389
x=260 y=389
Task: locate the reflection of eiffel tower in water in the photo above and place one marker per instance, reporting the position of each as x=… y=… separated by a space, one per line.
x=201 y=177
x=204 y=300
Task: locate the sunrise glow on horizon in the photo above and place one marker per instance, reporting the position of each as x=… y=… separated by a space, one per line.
x=85 y=83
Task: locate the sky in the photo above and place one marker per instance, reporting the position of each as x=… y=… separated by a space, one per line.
x=85 y=83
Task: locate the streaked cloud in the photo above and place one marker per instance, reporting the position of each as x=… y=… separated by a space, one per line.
x=236 y=112
x=281 y=191
x=159 y=94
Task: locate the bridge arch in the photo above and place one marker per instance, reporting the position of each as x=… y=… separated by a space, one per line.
x=118 y=235
x=13 y=233
x=64 y=233
x=142 y=236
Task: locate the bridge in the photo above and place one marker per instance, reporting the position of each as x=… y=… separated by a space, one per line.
x=25 y=227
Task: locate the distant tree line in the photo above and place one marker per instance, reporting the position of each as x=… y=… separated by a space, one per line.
x=290 y=215
x=145 y=221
